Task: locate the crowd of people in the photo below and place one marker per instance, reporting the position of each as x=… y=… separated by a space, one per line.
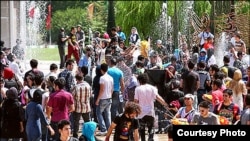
x=109 y=83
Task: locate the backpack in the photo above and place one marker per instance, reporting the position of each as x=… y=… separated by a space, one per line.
x=10 y=83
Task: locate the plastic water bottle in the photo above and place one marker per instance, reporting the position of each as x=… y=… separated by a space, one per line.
x=121 y=98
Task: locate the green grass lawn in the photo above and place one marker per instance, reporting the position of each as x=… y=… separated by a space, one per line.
x=46 y=54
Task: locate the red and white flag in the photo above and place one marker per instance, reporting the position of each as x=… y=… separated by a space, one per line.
x=48 y=18
x=32 y=12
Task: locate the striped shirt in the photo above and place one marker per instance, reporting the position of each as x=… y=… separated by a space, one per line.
x=81 y=94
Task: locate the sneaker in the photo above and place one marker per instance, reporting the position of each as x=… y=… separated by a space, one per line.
x=101 y=133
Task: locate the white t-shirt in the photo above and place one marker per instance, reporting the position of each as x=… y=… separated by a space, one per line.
x=146 y=95
x=108 y=82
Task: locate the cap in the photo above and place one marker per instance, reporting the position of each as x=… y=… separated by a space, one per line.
x=153 y=54
x=189 y=96
x=8 y=73
x=79 y=25
x=105 y=36
x=158 y=42
x=62 y=29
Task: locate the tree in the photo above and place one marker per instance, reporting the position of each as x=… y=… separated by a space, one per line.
x=141 y=15
x=111 y=17
x=78 y=15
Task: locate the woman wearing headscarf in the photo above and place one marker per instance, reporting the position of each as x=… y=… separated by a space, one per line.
x=35 y=117
x=239 y=89
x=12 y=117
x=134 y=37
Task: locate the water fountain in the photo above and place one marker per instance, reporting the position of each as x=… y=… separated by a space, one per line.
x=187 y=6
x=220 y=48
x=32 y=26
x=35 y=22
x=160 y=31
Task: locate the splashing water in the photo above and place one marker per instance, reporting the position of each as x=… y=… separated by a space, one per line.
x=32 y=26
x=220 y=49
x=35 y=23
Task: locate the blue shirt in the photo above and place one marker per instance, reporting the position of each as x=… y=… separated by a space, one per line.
x=117 y=75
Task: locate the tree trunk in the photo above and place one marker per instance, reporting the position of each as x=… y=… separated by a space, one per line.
x=111 y=17
x=232 y=6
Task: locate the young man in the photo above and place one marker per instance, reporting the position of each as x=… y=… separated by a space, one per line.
x=245 y=115
x=65 y=130
x=125 y=125
x=145 y=95
x=81 y=94
x=204 y=117
x=227 y=108
x=104 y=100
x=60 y=103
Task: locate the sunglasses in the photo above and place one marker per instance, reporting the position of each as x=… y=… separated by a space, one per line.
x=186 y=98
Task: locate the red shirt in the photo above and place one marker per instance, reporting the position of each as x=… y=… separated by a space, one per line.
x=60 y=101
x=217 y=95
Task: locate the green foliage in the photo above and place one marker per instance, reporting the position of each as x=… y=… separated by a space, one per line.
x=139 y=14
x=201 y=7
x=243 y=7
x=74 y=14
x=69 y=18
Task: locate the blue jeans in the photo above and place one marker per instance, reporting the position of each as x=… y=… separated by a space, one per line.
x=104 y=108
x=115 y=105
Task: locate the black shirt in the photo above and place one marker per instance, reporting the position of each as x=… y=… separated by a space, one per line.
x=124 y=128
x=60 y=36
x=190 y=79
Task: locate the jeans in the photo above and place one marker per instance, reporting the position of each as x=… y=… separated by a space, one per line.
x=147 y=121
x=115 y=105
x=104 y=108
x=61 y=49
x=77 y=116
x=71 y=119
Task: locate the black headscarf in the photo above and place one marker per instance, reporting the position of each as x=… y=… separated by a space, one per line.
x=12 y=93
x=37 y=97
